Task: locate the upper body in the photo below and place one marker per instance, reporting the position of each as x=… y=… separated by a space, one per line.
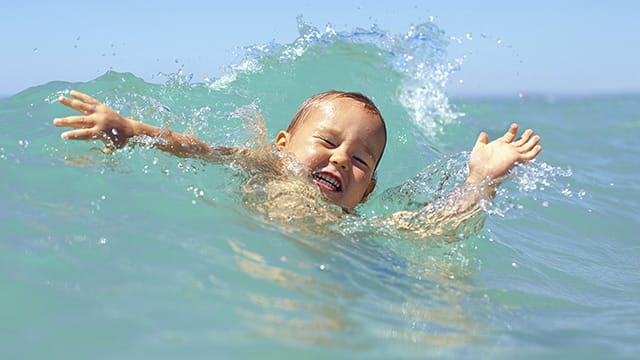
x=339 y=139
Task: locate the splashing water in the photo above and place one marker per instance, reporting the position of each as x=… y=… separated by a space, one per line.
x=108 y=233
x=414 y=66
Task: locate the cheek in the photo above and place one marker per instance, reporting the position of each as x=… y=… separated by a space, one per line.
x=362 y=177
x=360 y=187
x=310 y=156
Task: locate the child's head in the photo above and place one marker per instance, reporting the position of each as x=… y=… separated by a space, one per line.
x=340 y=136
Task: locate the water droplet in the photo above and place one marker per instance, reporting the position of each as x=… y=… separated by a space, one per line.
x=469 y=36
x=545 y=204
x=514 y=264
x=23 y=143
x=322 y=267
x=103 y=241
x=114 y=131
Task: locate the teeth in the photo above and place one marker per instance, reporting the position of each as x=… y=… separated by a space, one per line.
x=328 y=180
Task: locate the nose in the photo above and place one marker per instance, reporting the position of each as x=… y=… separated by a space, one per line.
x=340 y=158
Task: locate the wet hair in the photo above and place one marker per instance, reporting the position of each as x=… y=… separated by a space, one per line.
x=317 y=99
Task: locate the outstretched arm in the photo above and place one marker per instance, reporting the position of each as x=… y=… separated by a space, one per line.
x=100 y=122
x=490 y=162
x=455 y=216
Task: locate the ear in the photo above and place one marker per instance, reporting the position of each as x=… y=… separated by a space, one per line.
x=372 y=185
x=282 y=139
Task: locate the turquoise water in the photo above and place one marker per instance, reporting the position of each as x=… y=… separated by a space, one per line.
x=142 y=255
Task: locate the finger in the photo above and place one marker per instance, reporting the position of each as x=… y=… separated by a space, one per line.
x=74 y=122
x=82 y=134
x=530 y=144
x=483 y=139
x=531 y=154
x=511 y=133
x=84 y=97
x=77 y=105
x=526 y=135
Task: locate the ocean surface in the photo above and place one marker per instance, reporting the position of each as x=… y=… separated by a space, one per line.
x=141 y=255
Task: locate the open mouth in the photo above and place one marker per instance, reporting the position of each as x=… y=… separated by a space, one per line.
x=328 y=180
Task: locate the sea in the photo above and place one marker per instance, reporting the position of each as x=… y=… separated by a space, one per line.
x=142 y=255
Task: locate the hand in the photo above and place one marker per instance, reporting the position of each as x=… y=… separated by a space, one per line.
x=98 y=121
x=493 y=160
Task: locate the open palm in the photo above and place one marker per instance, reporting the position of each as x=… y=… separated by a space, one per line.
x=492 y=160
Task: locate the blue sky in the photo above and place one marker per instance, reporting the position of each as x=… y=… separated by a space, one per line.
x=544 y=47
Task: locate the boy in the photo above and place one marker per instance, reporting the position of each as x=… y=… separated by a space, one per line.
x=339 y=138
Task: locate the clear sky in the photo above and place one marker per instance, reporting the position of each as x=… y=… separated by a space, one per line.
x=545 y=46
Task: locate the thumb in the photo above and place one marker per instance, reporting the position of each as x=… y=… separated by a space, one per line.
x=483 y=139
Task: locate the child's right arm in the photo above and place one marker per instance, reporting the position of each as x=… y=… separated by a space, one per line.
x=100 y=122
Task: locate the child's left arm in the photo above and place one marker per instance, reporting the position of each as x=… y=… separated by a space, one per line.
x=489 y=163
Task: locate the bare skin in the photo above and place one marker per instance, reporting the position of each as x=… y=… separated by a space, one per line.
x=340 y=153
x=100 y=122
x=489 y=164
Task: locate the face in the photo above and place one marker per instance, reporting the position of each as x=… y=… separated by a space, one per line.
x=340 y=142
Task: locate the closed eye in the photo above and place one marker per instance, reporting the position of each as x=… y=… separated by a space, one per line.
x=361 y=161
x=328 y=142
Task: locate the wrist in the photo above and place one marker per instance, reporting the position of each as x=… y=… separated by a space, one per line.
x=138 y=128
x=475 y=179
x=486 y=185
